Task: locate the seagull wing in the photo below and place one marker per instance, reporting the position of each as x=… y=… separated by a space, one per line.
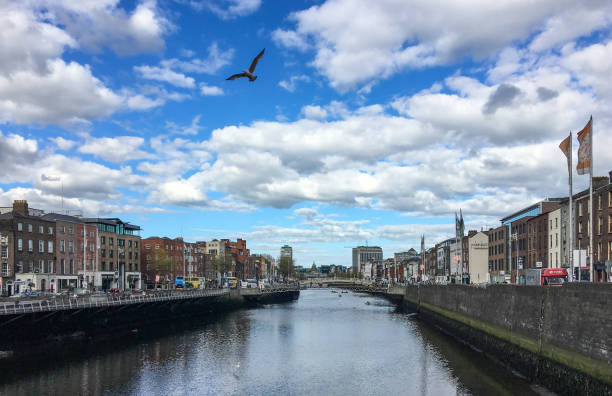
x=235 y=76
x=254 y=63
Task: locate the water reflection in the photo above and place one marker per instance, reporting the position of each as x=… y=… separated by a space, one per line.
x=323 y=343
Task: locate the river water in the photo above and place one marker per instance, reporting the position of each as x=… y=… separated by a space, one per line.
x=325 y=343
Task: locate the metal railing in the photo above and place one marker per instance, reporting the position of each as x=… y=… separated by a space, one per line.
x=102 y=300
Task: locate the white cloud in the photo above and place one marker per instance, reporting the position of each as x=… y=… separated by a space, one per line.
x=192 y=129
x=116 y=149
x=215 y=60
x=165 y=75
x=314 y=112
x=99 y=24
x=63 y=144
x=28 y=97
x=228 y=9
x=290 y=84
x=349 y=55
x=210 y=90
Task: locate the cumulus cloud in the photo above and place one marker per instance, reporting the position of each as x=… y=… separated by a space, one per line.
x=291 y=84
x=210 y=90
x=116 y=149
x=165 y=75
x=100 y=24
x=63 y=144
x=503 y=96
x=349 y=55
x=228 y=9
x=214 y=61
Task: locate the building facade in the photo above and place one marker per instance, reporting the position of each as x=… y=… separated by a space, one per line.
x=118 y=255
x=364 y=254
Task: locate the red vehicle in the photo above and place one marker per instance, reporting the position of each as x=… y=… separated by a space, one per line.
x=546 y=276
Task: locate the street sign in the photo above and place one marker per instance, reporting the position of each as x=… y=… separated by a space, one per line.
x=539 y=263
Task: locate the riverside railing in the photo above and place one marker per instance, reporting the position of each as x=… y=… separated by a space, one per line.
x=102 y=300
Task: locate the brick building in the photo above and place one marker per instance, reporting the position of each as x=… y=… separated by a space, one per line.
x=75 y=251
x=33 y=257
x=163 y=260
x=118 y=254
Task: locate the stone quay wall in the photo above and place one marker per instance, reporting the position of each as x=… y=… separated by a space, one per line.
x=560 y=337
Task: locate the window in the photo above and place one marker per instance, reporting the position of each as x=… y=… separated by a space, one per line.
x=551 y=243
x=50 y=230
x=599 y=251
x=135 y=266
x=102 y=252
x=63 y=266
x=5 y=269
x=156 y=246
x=103 y=240
x=70 y=230
x=609 y=198
x=600 y=226
x=41 y=246
x=19 y=226
x=110 y=253
x=136 y=255
x=551 y=224
x=30 y=245
x=4 y=252
x=41 y=229
x=599 y=202
x=91 y=234
x=136 y=244
x=29 y=227
x=91 y=247
x=20 y=244
x=70 y=246
x=610 y=223
x=51 y=266
x=103 y=265
x=556 y=222
x=130 y=255
x=556 y=240
x=110 y=266
x=129 y=243
x=71 y=266
x=110 y=241
x=147 y=246
x=580 y=209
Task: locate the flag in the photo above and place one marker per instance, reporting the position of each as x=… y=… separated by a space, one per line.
x=565 y=147
x=585 y=151
x=461 y=224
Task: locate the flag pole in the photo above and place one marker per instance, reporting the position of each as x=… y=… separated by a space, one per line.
x=571 y=219
x=591 y=203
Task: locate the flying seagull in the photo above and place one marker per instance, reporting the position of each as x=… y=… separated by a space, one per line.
x=249 y=73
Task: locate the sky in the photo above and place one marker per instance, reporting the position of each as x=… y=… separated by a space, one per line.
x=370 y=122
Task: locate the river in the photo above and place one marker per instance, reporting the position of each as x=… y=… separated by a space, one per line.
x=325 y=343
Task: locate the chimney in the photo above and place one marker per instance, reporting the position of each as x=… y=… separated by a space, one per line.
x=20 y=206
x=599 y=181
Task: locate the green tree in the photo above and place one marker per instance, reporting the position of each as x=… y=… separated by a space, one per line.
x=221 y=264
x=285 y=267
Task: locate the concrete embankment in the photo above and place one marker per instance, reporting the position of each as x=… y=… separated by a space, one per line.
x=559 y=337
x=45 y=323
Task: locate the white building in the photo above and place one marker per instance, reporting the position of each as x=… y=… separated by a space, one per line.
x=478 y=257
x=555 y=239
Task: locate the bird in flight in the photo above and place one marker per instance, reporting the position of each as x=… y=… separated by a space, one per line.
x=248 y=73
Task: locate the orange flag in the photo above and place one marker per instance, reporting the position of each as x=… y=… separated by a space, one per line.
x=565 y=147
x=585 y=151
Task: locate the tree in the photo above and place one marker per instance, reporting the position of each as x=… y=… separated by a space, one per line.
x=285 y=267
x=162 y=263
x=221 y=264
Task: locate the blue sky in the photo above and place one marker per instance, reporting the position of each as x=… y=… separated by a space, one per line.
x=369 y=121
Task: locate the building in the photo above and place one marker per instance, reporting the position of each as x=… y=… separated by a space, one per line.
x=555 y=236
x=456 y=261
x=498 y=238
x=163 y=260
x=516 y=235
x=118 y=254
x=33 y=259
x=476 y=257
x=286 y=251
x=7 y=254
x=443 y=260
x=408 y=265
x=365 y=254
x=75 y=252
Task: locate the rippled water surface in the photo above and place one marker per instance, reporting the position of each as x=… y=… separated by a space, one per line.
x=323 y=344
